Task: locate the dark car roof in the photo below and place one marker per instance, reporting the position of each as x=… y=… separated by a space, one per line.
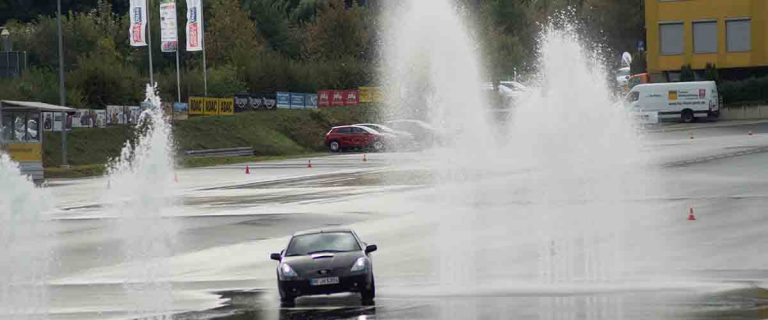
x=326 y=230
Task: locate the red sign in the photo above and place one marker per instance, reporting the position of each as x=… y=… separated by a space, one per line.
x=351 y=97
x=327 y=98
x=137 y=36
x=702 y=93
x=337 y=98
x=193 y=36
x=324 y=98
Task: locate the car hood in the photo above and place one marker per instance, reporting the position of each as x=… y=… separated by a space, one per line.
x=304 y=265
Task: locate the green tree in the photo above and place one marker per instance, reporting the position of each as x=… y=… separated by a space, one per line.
x=639 y=63
x=711 y=73
x=338 y=32
x=231 y=37
x=687 y=74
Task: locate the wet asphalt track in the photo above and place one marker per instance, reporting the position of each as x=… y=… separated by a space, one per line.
x=222 y=208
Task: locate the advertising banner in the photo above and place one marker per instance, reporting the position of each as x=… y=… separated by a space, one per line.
x=351 y=97
x=101 y=118
x=116 y=115
x=252 y=102
x=211 y=107
x=283 y=100
x=52 y=121
x=137 y=29
x=133 y=114
x=196 y=106
x=180 y=107
x=199 y=106
x=168 y=30
x=194 y=26
x=25 y=151
x=47 y=121
x=83 y=118
x=310 y=102
x=226 y=106
x=369 y=94
x=297 y=100
x=324 y=98
x=337 y=98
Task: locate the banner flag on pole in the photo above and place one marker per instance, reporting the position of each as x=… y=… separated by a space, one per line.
x=137 y=30
x=194 y=25
x=168 y=29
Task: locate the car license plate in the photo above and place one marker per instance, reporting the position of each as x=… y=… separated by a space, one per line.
x=324 y=281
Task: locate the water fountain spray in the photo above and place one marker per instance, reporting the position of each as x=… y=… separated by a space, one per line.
x=141 y=197
x=25 y=243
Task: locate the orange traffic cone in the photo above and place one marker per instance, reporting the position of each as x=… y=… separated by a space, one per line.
x=309 y=163
x=247 y=169
x=750 y=132
x=365 y=158
x=691 y=216
x=690 y=134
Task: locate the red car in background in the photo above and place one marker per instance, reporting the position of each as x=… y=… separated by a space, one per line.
x=356 y=137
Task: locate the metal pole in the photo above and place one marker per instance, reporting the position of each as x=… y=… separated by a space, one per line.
x=62 y=92
x=149 y=44
x=205 y=69
x=178 y=77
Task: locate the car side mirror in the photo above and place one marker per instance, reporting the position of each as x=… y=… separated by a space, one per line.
x=275 y=256
x=371 y=248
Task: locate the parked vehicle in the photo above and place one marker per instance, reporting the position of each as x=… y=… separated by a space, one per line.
x=403 y=139
x=622 y=77
x=325 y=262
x=350 y=137
x=676 y=100
x=424 y=134
x=637 y=79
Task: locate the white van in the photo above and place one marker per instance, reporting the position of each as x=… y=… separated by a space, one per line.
x=676 y=100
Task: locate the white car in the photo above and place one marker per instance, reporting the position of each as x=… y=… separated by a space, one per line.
x=403 y=139
x=622 y=77
x=424 y=134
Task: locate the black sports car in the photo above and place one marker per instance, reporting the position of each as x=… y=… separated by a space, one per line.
x=325 y=262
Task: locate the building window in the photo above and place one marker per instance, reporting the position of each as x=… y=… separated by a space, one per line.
x=671 y=35
x=705 y=37
x=738 y=35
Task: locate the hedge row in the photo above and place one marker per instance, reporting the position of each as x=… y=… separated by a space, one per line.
x=748 y=91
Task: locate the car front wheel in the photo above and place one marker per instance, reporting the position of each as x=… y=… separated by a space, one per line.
x=369 y=294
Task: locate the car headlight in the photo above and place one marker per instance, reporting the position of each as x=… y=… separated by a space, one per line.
x=360 y=265
x=287 y=272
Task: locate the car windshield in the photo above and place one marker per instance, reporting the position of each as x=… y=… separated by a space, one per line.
x=633 y=96
x=322 y=242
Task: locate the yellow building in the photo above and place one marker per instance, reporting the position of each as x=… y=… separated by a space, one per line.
x=732 y=34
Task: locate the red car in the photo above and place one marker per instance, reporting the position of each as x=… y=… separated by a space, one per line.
x=356 y=137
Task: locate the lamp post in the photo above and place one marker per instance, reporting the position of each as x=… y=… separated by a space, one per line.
x=62 y=92
x=5 y=36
